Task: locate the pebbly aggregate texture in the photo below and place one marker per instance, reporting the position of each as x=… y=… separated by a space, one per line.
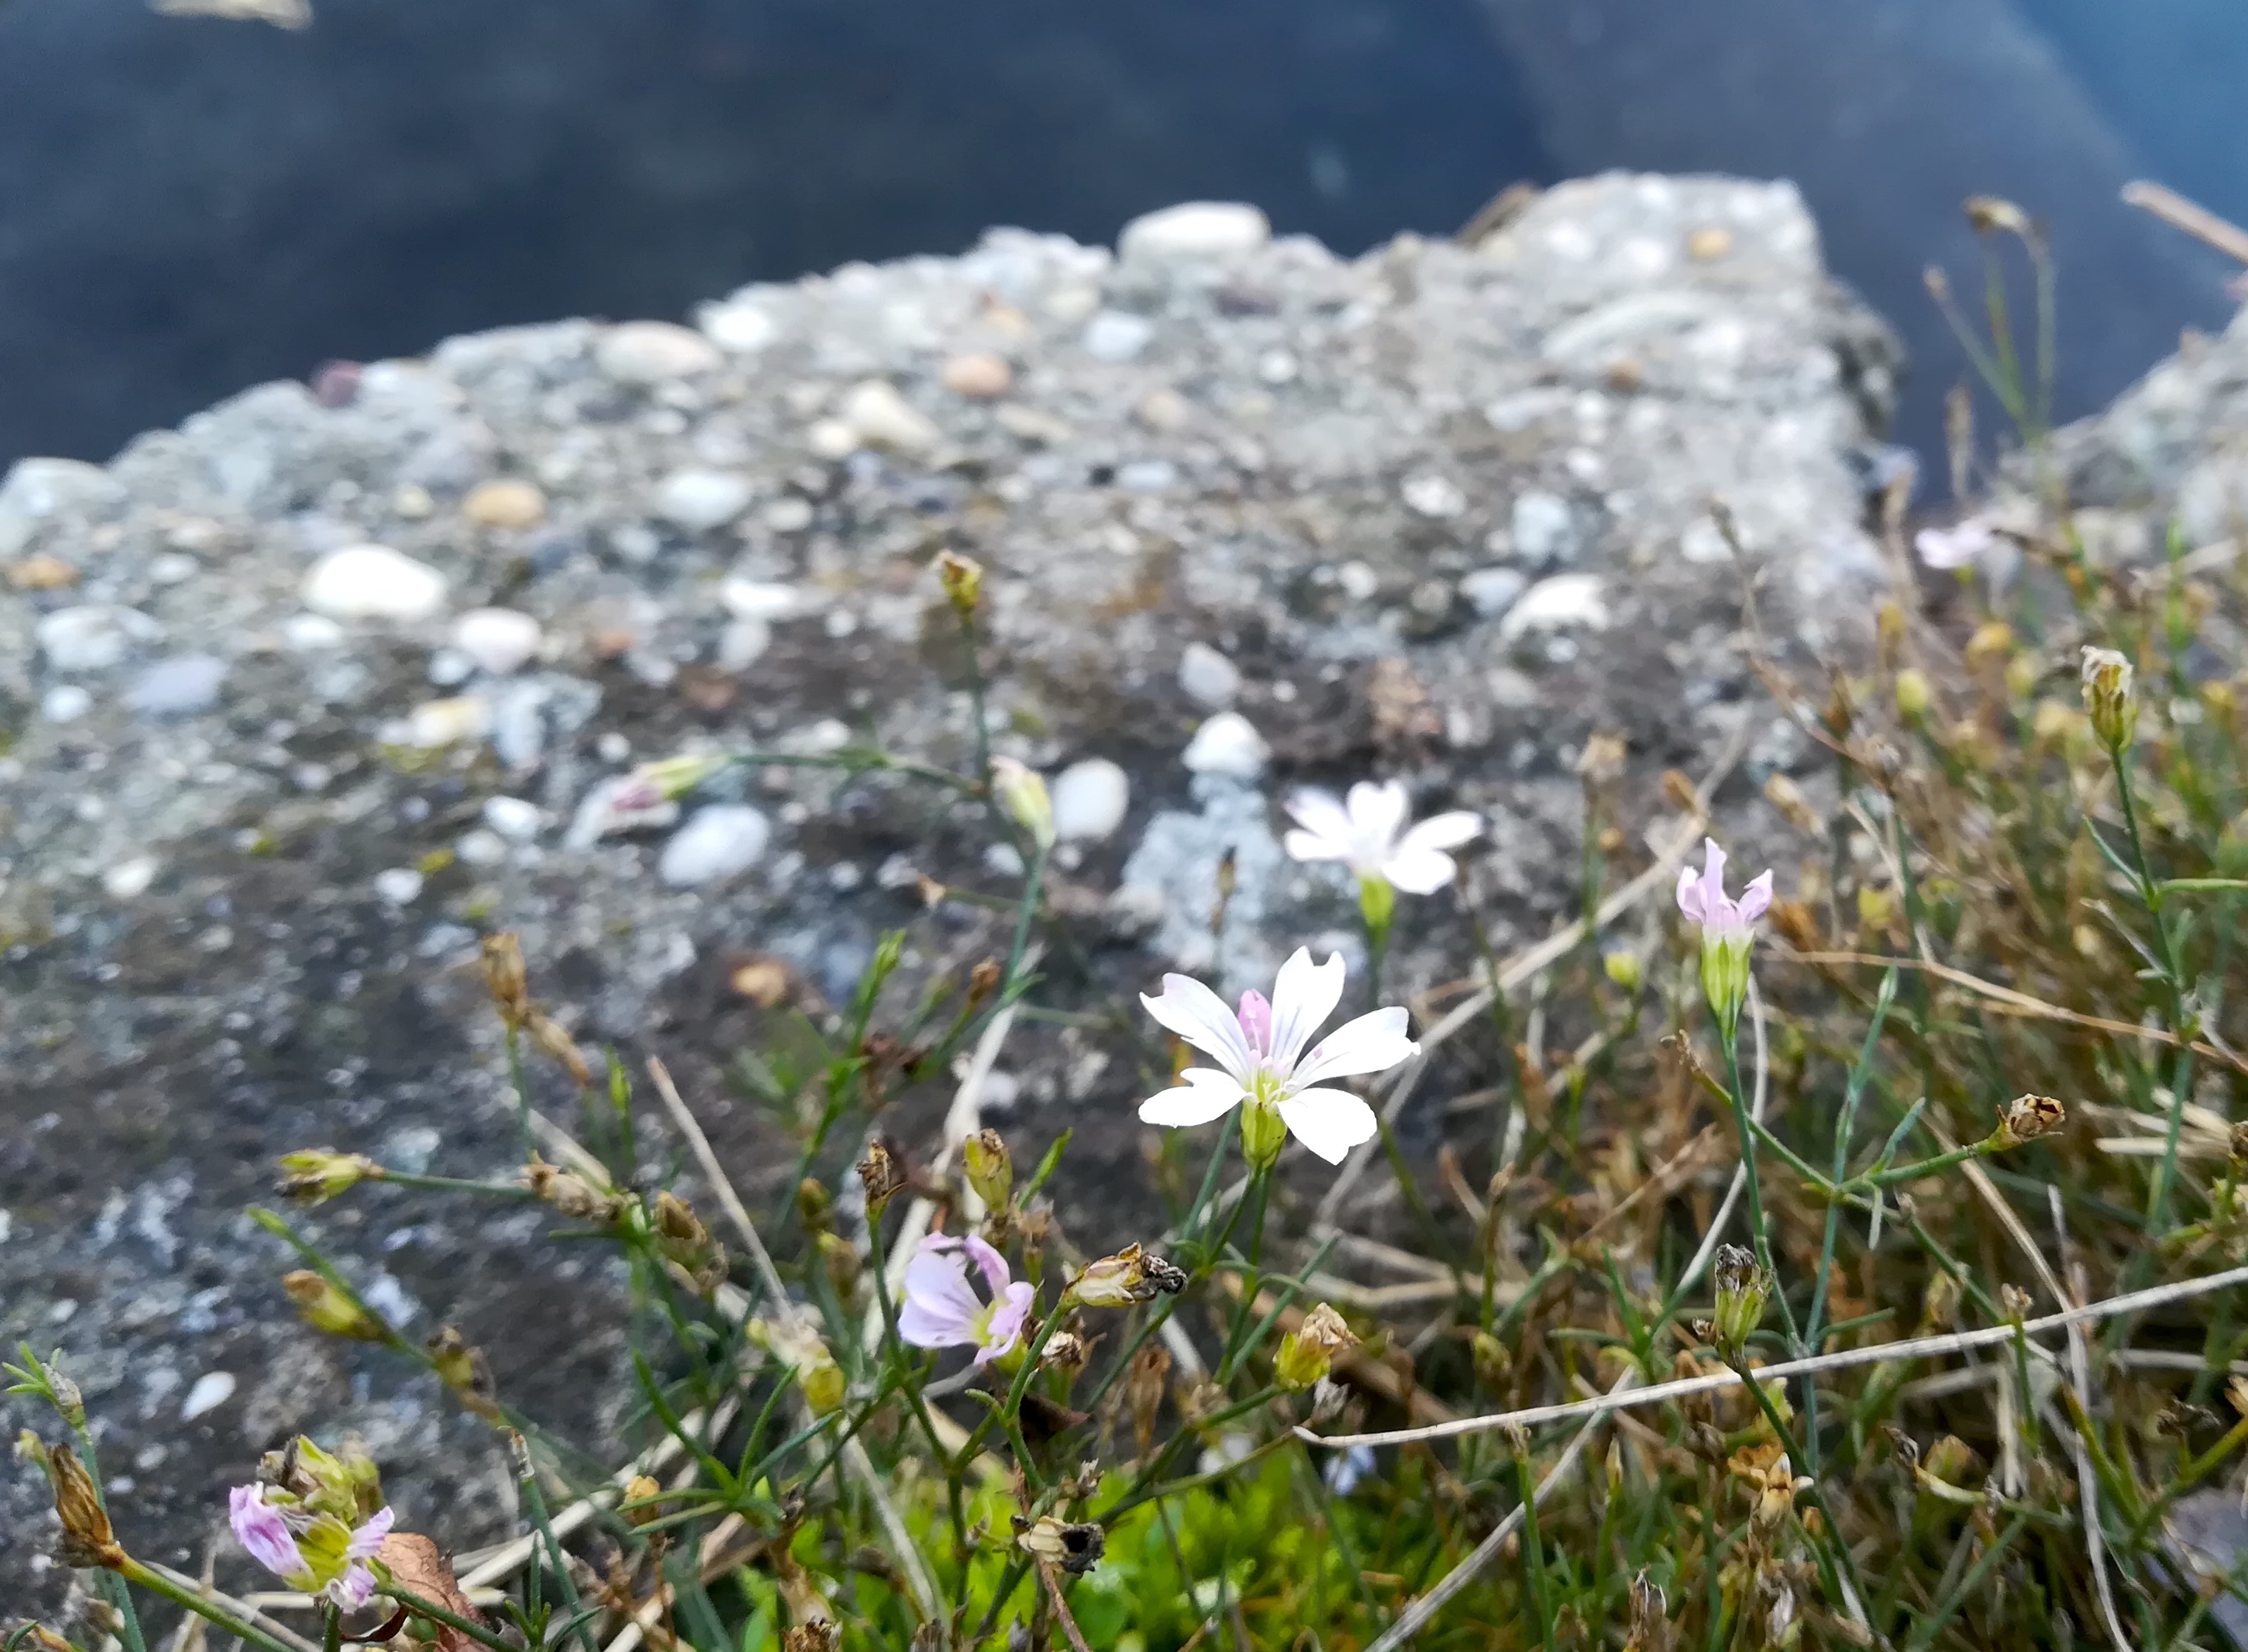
x=1439 y=512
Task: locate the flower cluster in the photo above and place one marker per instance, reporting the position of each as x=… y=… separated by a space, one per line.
x=313 y=1529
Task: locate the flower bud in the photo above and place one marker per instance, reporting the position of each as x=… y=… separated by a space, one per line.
x=983 y=982
x=1022 y=792
x=1914 y=696
x=1494 y=1362
x=991 y=1169
x=2108 y=697
x=1622 y=968
x=551 y=1038
x=1743 y=1289
x=845 y=1266
x=1307 y=1354
x=504 y=976
x=1950 y=1460
x=643 y=1490
x=798 y=1345
x=1131 y=1276
x=882 y=1174
x=325 y=1308
x=813 y=1205
x=2026 y=1118
x=667 y=779
x=1377 y=901
x=1787 y=797
x=569 y=1195
x=1075 y=1549
x=963 y=580
x=464 y=1370
x=313 y=1176
x=87 y=1538
x=687 y=1245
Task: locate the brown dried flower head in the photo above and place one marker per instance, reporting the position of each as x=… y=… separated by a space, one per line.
x=87 y=1540
x=324 y=1307
x=569 y=1194
x=1075 y=1548
x=882 y=1174
x=506 y=976
x=2028 y=1117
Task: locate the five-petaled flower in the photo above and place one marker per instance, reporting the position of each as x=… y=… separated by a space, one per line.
x=1261 y=1060
x=941 y=1310
x=1727 y=931
x=309 y=1550
x=1367 y=832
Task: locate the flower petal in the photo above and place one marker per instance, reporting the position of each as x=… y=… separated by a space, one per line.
x=1199 y=1015
x=1715 y=907
x=1009 y=1311
x=355 y=1588
x=1329 y=1122
x=1304 y=996
x=1377 y=814
x=367 y=1539
x=1419 y=871
x=996 y=1272
x=1372 y=1044
x=1757 y=897
x=1326 y=834
x=1442 y=830
x=259 y=1527
x=1689 y=895
x=1203 y=1095
x=940 y=1310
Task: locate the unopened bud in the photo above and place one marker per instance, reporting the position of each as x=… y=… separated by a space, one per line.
x=1021 y=792
x=504 y=976
x=551 y=1036
x=983 y=982
x=1307 y=1354
x=845 y=1266
x=796 y=1345
x=1787 y=797
x=2026 y=1118
x=2014 y=1302
x=638 y=1505
x=1914 y=696
x=882 y=1174
x=813 y=1205
x=69 y=1404
x=963 y=580
x=324 y=1307
x=1743 y=1289
x=687 y=1245
x=1622 y=968
x=991 y=1169
x=464 y=1370
x=1950 y=1460
x=2108 y=697
x=1076 y=1549
x=569 y=1195
x=667 y=779
x=1494 y=1362
x=1131 y=1276
x=87 y=1540
x=313 y=1176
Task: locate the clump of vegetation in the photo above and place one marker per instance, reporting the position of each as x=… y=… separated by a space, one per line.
x=1851 y=1257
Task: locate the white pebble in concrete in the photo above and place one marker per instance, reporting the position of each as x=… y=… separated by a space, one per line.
x=399 y=886
x=211 y=1390
x=1227 y=745
x=374 y=582
x=515 y=819
x=1193 y=229
x=718 y=842
x=499 y=640
x=701 y=500
x=1208 y=676
x=177 y=687
x=1090 y=800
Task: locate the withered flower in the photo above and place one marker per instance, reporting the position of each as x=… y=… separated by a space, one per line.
x=2026 y=1118
x=569 y=1194
x=1131 y=1276
x=963 y=580
x=321 y=1306
x=506 y=976
x=464 y=1370
x=87 y=1540
x=882 y=1172
x=1075 y=1548
x=1307 y=1354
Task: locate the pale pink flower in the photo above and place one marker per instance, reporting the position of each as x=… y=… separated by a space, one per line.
x=335 y=1569
x=941 y=1308
x=1705 y=901
x=1262 y=1059
x=1367 y=832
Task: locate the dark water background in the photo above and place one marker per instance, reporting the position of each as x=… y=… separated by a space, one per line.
x=187 y=206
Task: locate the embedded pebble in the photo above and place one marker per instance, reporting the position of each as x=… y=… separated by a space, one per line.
x=1114 y=336
x=1227 y=745
x=400 y=886
x=1541 y=525
x=1164 y=412
x=980 y=377
x=761 y=599
x=742 y=644
x=211 y=1390
x=516 y=820
x=178 y=686
x=1434 y=496
x=788 y=515
x=1193 y=229
x=129 y=879
x=1208 y=676
x=498 y=641
x=1492 y=591
x=41 y=573
x=879 y=416
x=173 y=567
x=482 y=848
x=701 y=500
x=510 y=504
x=1565 y=599
x=91 y=637
x=312 y=632
x=373 y=582
x=65 y=703
x=1090 y=800
x=35 y=490
x=717 y=842
x=737 y=326
x=441 y=723
x=651 y=352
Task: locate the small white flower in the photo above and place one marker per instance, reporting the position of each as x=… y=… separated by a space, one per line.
x=1962 y=546
x=1262 y=1059
x=1368 y=832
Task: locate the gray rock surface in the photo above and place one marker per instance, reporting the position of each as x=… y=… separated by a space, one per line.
x=252 y=927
